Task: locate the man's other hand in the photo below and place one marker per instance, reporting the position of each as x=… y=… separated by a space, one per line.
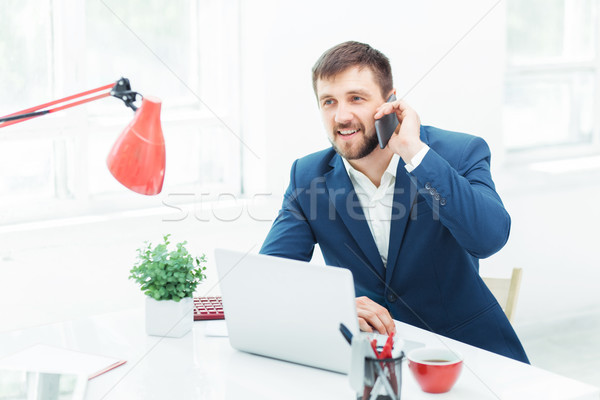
x=372 y=316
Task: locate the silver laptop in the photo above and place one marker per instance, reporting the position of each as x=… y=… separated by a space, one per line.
x=287 y=309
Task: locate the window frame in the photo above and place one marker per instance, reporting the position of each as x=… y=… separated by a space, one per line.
x=564 y=149
x=76 y=126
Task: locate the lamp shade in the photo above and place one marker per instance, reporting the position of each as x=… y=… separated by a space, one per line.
x=137 y=159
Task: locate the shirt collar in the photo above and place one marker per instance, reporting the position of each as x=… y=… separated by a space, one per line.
x=391 y=168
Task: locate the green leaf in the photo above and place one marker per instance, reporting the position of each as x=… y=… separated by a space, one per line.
x=167 y=274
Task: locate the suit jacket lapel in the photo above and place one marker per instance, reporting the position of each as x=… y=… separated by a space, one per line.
x=405 y=192
x=343 y=197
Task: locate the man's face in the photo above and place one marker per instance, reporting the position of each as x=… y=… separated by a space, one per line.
x=348 y=102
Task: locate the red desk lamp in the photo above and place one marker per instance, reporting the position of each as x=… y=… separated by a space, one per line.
x=137 y=159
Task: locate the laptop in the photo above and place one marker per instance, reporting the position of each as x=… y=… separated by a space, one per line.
x=287 y=309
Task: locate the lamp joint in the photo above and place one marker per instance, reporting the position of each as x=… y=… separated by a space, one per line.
x=122 y=90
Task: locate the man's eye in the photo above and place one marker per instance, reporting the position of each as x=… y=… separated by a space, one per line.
x=356 y=98
x=327 y=102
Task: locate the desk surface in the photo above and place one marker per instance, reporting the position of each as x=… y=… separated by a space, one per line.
x=206 y=367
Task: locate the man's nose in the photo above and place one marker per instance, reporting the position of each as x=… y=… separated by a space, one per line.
x=343 y=114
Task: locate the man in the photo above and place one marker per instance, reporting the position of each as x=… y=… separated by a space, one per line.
x=410 y=220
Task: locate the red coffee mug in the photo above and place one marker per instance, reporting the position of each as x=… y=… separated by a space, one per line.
x=435 y=369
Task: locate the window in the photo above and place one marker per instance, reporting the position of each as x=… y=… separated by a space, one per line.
x=553 y=74
x=183 y=51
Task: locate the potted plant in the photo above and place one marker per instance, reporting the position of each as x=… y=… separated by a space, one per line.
x=168 y=279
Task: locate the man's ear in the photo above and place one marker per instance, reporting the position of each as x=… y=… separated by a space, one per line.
x=393 y=92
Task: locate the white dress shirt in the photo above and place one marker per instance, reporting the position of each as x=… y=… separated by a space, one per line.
x=377 y=202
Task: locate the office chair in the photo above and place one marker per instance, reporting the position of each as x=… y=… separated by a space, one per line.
x=506 y=291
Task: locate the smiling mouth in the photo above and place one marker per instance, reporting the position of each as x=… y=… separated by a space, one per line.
x=348 y=132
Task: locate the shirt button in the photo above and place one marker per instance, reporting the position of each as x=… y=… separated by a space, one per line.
x=391 y=297
x=437 y=196
x=432 y=191
x=428 y=185
x=442 y=201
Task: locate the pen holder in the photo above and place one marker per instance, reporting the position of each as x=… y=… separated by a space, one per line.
x=382 y=379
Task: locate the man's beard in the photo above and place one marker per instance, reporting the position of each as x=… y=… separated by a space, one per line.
x=367 y=146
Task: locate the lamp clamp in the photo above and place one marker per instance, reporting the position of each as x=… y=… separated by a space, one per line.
x=122 y=90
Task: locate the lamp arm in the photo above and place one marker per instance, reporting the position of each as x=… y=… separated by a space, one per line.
x=121 y=90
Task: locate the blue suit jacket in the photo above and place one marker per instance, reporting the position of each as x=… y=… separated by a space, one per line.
x=446 y=215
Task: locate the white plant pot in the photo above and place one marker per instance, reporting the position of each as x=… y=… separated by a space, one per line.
x=169 y=318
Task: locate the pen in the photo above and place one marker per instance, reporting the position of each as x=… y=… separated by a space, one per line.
x=374 y=347
x=387 y=349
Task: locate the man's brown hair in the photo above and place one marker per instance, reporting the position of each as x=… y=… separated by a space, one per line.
x=354 y=54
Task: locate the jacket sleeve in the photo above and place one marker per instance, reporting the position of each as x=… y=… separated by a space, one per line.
x=465 y=198
x=291 y=235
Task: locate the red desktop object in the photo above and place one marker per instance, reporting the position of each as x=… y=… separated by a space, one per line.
x=137 y=159
x=210 y=307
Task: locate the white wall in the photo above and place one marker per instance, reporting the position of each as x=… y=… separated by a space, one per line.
x=554 y=238
x=452 y=80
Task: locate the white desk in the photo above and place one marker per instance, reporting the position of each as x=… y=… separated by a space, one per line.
x=201 y=367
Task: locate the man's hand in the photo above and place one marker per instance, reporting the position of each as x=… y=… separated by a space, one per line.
x=373 y=316
x=406 y=141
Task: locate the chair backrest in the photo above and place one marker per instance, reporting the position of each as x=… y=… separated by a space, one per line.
x=506 y=291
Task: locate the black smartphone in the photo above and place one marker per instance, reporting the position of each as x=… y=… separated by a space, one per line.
x=386 y=125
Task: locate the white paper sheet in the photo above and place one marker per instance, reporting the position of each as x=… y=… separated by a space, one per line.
x=46 y=358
